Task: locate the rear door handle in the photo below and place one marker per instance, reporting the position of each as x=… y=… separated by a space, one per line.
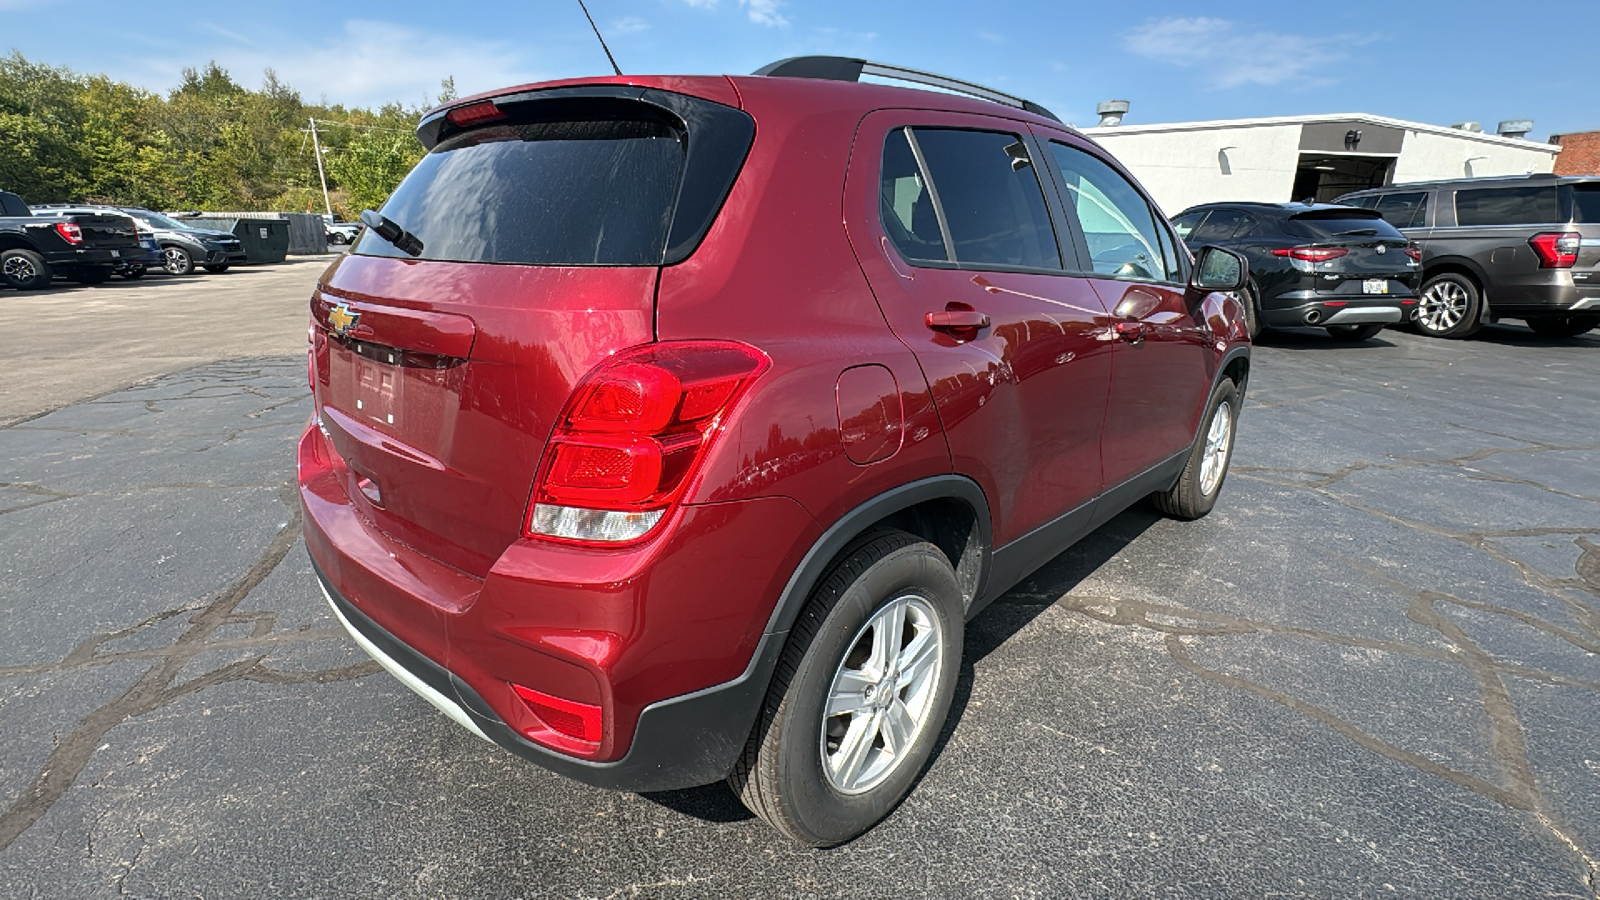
x=956 y=320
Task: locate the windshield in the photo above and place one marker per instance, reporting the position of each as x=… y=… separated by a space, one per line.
x=157 y=220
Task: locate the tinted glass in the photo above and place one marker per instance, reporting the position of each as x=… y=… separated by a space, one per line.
x=1367 y=202
x=1404 y=210
x=905 y=204
x=1117 y=222
x=1337 y=226
x=989 y=191
x=12 y=205
x=1222 y=225
x=594 y=192
x=1507 y=206
x=1185 y=223
x=1585 y=201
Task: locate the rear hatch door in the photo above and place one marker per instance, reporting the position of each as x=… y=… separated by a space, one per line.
x=544 y=224
x=1374 y=261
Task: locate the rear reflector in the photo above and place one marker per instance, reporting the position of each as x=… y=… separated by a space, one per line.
x=580 y=721
x=1555 y=249
x=474 y=113
x=1311 y=254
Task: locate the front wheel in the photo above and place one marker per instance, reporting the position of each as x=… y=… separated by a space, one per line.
x=1252 y=314
x=1564 y=326
x=176 y=261
x=860 y=694
x=132 y=272
x=217 y=269
x=91 y=274
x=1201 y=481
x=1354 y=333
x=1449 y=306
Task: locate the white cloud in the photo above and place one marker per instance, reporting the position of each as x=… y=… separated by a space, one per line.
x=764 y=12
x=702 y=4
x=1230 y=55
x=629 y=25
x=366 y=63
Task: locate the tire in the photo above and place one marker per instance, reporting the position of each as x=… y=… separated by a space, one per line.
x=337 y=238
x=1449 y=306
x=91 y=274
x=1354 y=333
x=132 y=272
x=24 y=270
x=1563 y=326
x=1197 y=488
x=177 y=260
x=797 y=772
x=1252 y=315
x=217 y=269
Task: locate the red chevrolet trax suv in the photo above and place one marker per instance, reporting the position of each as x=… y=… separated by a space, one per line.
x=669 y=429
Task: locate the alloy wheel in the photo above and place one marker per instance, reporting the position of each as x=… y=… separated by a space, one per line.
x=20 y=269
x=1442 y=306
x=882 y=695
x=1214 y=458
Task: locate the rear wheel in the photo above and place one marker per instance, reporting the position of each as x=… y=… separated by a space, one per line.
x=1563 y=326
x=217 y=269
x=1353 y=333
x=176 y=260
x=24 y=270
x=1449 y=306
x=1197 y=488
x=860 y=694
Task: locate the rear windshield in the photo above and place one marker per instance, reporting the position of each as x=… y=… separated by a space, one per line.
x=1585 y=201
x=577 y=192
x=1339 y=225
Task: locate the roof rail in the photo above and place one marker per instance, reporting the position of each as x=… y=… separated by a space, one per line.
x=844 y=68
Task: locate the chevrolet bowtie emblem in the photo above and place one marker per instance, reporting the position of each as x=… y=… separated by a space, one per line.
x=341 y=319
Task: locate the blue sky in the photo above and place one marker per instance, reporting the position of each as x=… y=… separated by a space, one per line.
x=1438 y=62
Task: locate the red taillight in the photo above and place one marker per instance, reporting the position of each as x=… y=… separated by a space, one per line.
x=474 y=113
x=568 y=718
x=70 y=232
x=1556 y=249
x=1415 y=252
x=632 y=436
x=1311 y=254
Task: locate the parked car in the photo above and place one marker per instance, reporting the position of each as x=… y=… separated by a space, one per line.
x=182 y=246
x=1336 y=267
x=85 y=248
x=342 y=232
x=1526 y=247
x=697 y=473
x=131 y=265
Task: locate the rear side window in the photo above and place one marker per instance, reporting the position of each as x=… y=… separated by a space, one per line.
x=573 y=192
x=1507 y=206
x=986 y=197
x=1338 y=225
x=1118 y=225
x=1584 y=199
x=906 y=204
x=1403 y=210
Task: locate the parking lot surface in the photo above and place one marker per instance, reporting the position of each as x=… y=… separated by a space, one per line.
x=1374 y=670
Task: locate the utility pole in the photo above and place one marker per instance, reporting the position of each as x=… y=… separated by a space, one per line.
x=316 y=147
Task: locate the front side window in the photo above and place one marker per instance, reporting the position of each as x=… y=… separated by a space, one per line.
x=1507 y=206
x=1117 y=223
x=1404 y=210
x=1223 y=225
x=1184 y=225
x=984 y=203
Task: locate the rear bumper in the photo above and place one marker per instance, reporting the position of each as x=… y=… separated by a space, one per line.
x=668 y=638
x=1321 y=311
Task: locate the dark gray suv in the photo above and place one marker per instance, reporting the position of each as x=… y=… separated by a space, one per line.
x=1525 y=247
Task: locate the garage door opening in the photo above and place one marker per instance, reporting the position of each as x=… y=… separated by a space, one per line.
x=1322 y=178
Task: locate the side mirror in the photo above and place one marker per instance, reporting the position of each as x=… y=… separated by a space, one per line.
x=1216 y=269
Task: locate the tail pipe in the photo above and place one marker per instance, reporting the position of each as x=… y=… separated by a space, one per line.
x=1313 y=316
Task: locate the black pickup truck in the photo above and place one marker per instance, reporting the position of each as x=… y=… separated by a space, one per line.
x=84 y=248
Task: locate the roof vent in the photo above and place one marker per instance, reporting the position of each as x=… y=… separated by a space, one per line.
x=1111 y=112
x=1515 y=128
x=1476 y=127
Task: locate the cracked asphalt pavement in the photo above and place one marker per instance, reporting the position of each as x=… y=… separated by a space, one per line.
x=1374 y=670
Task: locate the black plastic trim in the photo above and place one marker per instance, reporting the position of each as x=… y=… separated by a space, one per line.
x=842 y=68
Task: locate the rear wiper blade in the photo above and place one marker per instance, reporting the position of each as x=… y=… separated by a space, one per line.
x=391 y=231
x=1367 y=231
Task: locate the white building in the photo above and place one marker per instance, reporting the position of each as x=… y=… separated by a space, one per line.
x=1294 y=157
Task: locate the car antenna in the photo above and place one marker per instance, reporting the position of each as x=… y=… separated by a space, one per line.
x=600 y=39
